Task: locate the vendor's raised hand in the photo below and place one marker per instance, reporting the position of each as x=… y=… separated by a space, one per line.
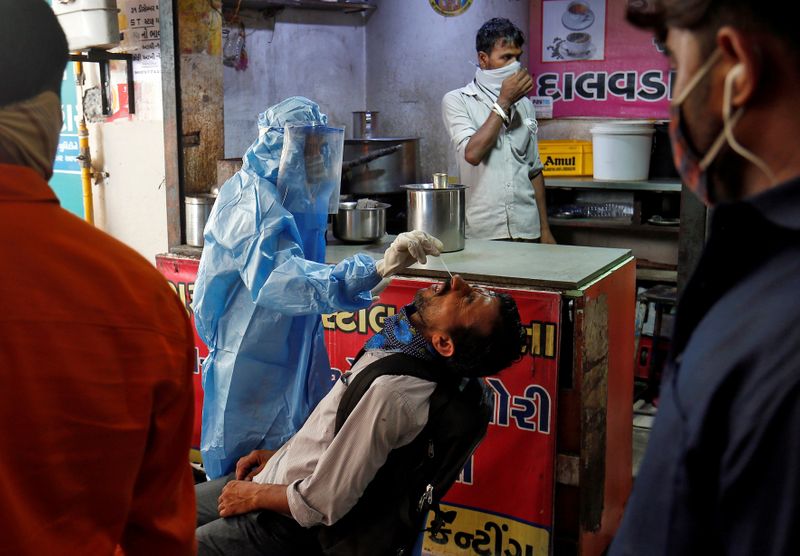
x=251 y=465
x=514 y=88
x=408 y=248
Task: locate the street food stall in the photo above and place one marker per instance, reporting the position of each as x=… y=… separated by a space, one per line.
x=554 y=470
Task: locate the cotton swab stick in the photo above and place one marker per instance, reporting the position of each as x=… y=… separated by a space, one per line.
x=441 y=258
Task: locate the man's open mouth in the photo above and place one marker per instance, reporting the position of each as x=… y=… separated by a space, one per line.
x=443 y=288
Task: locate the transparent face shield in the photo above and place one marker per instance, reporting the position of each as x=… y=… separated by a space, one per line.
x=310 y=170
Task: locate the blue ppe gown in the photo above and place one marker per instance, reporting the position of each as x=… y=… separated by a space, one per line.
x=261 y=287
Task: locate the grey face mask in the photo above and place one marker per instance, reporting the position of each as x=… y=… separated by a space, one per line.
x=29 y=132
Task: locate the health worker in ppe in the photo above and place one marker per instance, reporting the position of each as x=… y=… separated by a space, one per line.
x=262 y=285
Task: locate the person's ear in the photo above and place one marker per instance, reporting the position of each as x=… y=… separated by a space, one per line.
x=483 y=60
x=744 y=66
x=443 y=344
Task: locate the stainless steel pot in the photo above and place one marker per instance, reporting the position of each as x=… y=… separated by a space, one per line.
x=360 y=225
x=365 y=124
x=385 y=174
x=440 y=211
x=198 y=207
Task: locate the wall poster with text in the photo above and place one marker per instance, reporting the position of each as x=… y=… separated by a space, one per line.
x=588 y=61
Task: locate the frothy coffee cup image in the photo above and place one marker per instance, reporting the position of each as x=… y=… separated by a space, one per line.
x=577 y=16
x=578 y=44
x=578 y=9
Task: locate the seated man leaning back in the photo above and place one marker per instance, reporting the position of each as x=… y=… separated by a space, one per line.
x=274 y=501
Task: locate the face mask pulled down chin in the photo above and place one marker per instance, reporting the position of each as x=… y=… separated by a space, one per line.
x=492 y=80
x=29 y=132
x=693 y=166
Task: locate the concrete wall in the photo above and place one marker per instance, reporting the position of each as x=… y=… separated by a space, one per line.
x=130 y=204
x=346 y=62
x=129 y=193
x=409 y=71
x=400 y=60
x=128 y=188
x=315 y=54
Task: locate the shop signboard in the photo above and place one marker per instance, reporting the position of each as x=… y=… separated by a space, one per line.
x=504 y=497
x=587 y=60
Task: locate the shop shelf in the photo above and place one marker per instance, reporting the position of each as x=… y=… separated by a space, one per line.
x=657 y=185
x=274 y=6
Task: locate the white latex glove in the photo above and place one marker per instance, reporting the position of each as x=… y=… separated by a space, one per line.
x=408 y=248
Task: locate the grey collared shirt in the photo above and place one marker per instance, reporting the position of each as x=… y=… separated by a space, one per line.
x=326 y=474
x=500 y=198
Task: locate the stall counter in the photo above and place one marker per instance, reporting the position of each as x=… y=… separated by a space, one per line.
x=562 y=267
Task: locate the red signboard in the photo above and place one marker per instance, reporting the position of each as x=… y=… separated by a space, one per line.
x=181 y=273
x=504 y=497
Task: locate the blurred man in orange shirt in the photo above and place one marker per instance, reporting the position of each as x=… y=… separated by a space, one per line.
x=96 y=400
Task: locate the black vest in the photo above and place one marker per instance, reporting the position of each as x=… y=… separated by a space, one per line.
x=390 y=514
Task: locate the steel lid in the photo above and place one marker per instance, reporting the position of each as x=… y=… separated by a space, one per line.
x=201 y=199
x=432 y=187
x=353 y=205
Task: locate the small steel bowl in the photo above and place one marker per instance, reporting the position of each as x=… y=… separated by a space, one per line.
x=360 y=225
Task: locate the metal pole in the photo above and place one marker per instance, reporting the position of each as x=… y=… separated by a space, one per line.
x=85 y=156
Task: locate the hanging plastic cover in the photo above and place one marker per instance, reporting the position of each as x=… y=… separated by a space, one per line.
x=262 y=284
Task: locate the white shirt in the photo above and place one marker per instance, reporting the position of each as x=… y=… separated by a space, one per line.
x=500 y=198
x=326 y=474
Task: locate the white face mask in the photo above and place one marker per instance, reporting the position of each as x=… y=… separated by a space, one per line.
x=505 y=71
x=493 y=79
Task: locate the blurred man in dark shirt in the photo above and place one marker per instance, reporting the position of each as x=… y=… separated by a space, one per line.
x=722 y=470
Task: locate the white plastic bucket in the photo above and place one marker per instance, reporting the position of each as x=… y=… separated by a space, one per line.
x=621 y=150
x=88 y=23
